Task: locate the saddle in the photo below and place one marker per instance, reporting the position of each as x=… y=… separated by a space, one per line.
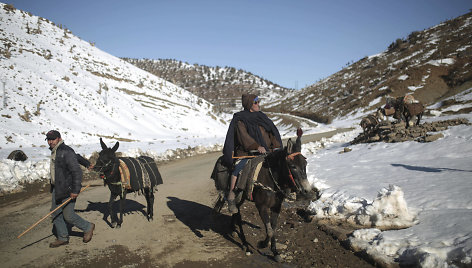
x=222 y=175
x=125 y=175
x=249 y=174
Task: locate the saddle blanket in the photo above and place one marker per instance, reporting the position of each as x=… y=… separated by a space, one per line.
x=249 y=175
x=139 y=173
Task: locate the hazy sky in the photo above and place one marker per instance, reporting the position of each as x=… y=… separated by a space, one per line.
x=291 y=43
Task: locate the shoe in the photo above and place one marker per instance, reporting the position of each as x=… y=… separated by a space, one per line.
x=232 y=206
x=58 y=243
x=88 y=235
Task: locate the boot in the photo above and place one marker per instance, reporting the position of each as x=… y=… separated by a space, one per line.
x=231 y=203
x=88 y=235
x=58 y=243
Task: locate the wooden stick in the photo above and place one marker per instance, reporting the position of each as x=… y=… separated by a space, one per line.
x=63 y=204
x=247 y=156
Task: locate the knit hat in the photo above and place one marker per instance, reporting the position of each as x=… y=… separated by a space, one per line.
x=52 y=135
x=247 y=100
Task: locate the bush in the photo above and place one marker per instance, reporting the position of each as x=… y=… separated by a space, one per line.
x=9 y=7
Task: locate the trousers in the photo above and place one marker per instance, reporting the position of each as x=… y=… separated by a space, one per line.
x=67 y=214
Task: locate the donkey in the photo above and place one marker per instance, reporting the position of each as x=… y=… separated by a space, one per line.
x=372 y=121
x=143 y=177
x=405 y=108
x=282 y=171
x=413 y=109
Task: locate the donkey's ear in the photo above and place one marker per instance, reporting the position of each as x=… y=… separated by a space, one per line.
x=103 y=144
x=298 y=145
x=117 y=144
x=289 y=146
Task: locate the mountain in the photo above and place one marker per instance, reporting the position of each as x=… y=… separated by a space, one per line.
x=432 y=64
x=222 y=86
x=54 y=80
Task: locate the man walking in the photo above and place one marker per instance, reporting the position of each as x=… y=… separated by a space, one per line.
x=66 y=181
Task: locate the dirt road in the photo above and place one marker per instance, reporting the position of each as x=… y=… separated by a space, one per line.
x=183 y=234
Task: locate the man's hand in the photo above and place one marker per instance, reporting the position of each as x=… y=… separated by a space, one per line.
x=261 y=150
x=73 y=196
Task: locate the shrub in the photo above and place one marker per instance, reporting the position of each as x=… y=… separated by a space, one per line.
x=9 y=7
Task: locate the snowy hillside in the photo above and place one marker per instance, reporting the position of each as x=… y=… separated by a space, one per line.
x=54 y=80
x=222 y=86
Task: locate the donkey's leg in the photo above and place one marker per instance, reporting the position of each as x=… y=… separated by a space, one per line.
x=264 y=214
x=113 y=216
x=150 y=203
x=275 y=211
x=239 y=220
x=419 y=118
x=122 y=205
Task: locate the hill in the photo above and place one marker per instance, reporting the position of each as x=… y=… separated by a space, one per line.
x=432 y=65
x=222 y=86
x=54 y=80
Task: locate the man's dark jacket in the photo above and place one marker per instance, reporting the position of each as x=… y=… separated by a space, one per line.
x=68 y=175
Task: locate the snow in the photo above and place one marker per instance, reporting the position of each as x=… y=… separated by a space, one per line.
x=413 y=199
x=446 y=61
x=403 y=77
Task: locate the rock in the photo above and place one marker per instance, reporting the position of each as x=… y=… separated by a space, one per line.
x=433 y=137
x=398 y=133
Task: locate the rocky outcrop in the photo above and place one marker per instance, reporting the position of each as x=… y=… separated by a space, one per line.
x=390 y=132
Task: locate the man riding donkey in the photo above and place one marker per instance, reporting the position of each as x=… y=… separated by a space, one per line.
x=250 y=132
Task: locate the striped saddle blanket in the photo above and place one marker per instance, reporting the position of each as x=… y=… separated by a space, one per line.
x=139 y=173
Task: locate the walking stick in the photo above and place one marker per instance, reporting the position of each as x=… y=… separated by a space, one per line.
x=242 y=157
x=63 y=204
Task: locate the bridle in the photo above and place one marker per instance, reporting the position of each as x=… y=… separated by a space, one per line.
x=277 y=186
x=291 y=157
x=104 y=167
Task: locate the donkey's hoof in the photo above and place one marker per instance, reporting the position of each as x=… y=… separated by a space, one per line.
x=277 y=258
x=150 y=218
x=118 y=226
x=261 y=244
x=234 y=234
x=114 y=224
x=248 y=252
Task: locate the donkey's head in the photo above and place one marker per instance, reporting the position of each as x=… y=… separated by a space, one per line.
x=106 y=158
x=297 y=163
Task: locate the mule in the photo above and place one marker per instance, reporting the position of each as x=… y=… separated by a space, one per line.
x=108 y=164
x=411 y=110
x=282 y=172
x=406 y=108
x=372 y=121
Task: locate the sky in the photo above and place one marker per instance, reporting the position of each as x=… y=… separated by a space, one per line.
x=291 y=43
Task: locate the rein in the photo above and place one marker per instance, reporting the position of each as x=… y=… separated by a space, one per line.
x=111 y=174
x=292 y=156
x=278 y=188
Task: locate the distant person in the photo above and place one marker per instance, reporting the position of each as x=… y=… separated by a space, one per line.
x=250 y=132
x=66 y=181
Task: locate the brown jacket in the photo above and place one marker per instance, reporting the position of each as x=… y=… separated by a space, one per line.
x=245 y=143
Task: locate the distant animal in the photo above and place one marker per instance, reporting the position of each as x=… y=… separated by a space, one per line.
x=372 y=121
x=123 y=175
x=282 y=171
x=412 y=109
x=402 y=113
x=17 y=155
